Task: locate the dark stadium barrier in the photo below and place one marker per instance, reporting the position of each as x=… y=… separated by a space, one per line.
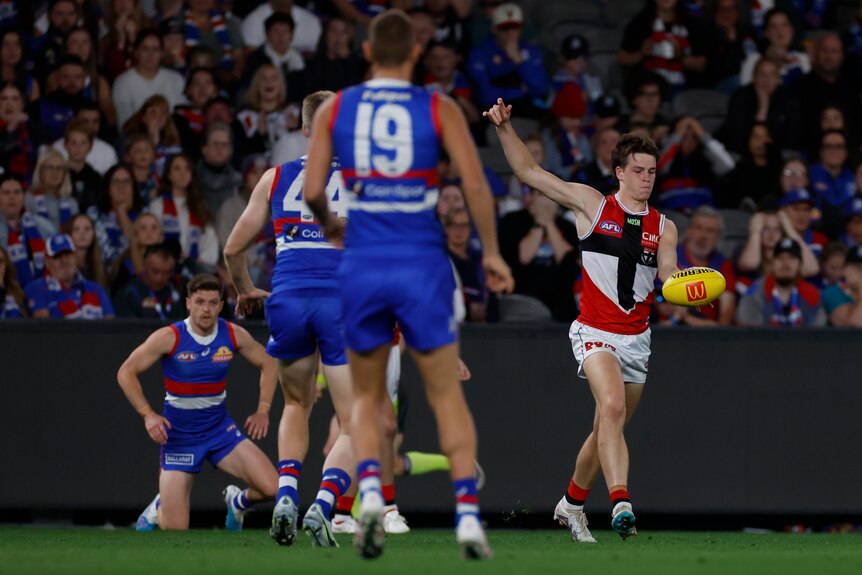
x=732 y=421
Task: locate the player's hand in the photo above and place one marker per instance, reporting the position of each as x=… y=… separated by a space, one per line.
x=498 y=276
x=257 y=425
x=157 y=426
x=499 y=113
x=334 y=231
x=247 y=303
x=463 y=371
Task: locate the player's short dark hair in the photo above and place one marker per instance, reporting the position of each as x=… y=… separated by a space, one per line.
x=391 y=38
x=311 y=103
x=279 y=18
x=204 y=282
x=632 y=144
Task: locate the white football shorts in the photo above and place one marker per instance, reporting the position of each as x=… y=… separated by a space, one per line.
x=632 y=351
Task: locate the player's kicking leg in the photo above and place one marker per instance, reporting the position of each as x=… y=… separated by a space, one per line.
x=175 y=488
x=247 y=462
x=439 y=369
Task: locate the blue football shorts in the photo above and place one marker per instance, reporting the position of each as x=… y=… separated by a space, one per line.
x=377 y=291
x=188 y=446
x=303 y=320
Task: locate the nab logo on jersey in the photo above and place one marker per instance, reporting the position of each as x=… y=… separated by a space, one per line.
x=610 y=229
x=695 y=291
x=223 y=354
x=186 y=356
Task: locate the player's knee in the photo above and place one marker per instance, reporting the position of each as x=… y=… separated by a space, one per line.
x=389 y=427
x=613 y=411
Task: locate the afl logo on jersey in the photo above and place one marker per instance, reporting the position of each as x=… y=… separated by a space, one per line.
x=222 y=355
x=610 y=229
x=186 y=356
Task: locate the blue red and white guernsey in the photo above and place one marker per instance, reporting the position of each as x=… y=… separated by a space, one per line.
x=195 y=371
x=387 y=135
x=304 y=259
x=620 y=264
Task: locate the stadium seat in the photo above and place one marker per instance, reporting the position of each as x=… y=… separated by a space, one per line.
x=735 y=231
x=517 y=307
x=708 y=106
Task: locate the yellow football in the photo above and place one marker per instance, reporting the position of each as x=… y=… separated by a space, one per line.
x=693 y=287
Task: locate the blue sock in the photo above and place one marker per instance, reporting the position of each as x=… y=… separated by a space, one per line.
x=466 y=498
x=368 y=476
x=288 y=480
x=334 y=484
x=241 y=500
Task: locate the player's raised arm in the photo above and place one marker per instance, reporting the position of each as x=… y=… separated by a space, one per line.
x=244 y=233
x=317 y=173
x=667 y=264
x=459 y=145
x=257 y=423
x=578 y=197
x=160 y=343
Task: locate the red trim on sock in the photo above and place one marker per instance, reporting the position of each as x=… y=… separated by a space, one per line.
x=345 y=504
x=577 y=493
x=618 y=494
x=388 y=493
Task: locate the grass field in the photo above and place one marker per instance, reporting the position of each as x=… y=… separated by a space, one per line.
x=88 y=551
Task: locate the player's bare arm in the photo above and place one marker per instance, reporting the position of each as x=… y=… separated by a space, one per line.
x=667 y=264
x=257 y=424
x=245 y=232
x=317 y=173
x=584 y=200
x=459 y=145
x=160 y=343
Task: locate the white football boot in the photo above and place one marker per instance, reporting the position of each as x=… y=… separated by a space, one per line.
x=575 y=520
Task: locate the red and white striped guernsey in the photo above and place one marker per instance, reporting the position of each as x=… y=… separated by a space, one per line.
x=620 y=261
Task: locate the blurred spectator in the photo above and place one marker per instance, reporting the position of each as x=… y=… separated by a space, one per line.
x=765 y=230
x=541 y=248
x=832 y=182
x=690 y=162
x=154 y=119
x=205 y=24
x=832 y=260
x=232 y=208
x=442 y=75
x=22 y=233
x=732 y=42
x=15 y=68
x=141 y=157
x=216 y=176
x=518 y=190
x=53 y=111
x=793 y=176
x=79 y=43
x=362 y=11
x=450 y=22
x=700 y=248
x=754 y=177
x=798 y=206
x=843 y=301
x=832 y=118
x=147 y=232
x=278 y=51
x=853 y=42
x=449 y=173
x=88 y=256
x=102 y=155
x=574 y=52
x=89 y=15
x=337 y=64
x=852 y=235
x=664 y=39
x=17 y=154
x=266 y=117
x=607 y=113
x=63 y=292
x=424 y=29
x=452 y=196
x=645 y=93
x=599 y=173
x=62 y=17
x=115 y=211
x=124 y=19
x=777 y=46
x=184 y=215
x=763 y=100
x=827 y=85
x=307 y=25
x=468 y=264
x=86 y=181
x=783 y=298
x=13 y=304
x=566 y=143
x=175 y=55
x=150 y=294
x=504 y=66
x=201 y=87
x=135 y=86
x=50 y=196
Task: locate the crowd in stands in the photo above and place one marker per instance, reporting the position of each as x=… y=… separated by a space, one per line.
x=133 y=131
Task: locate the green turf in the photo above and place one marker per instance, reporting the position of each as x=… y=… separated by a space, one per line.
x=122 y=551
